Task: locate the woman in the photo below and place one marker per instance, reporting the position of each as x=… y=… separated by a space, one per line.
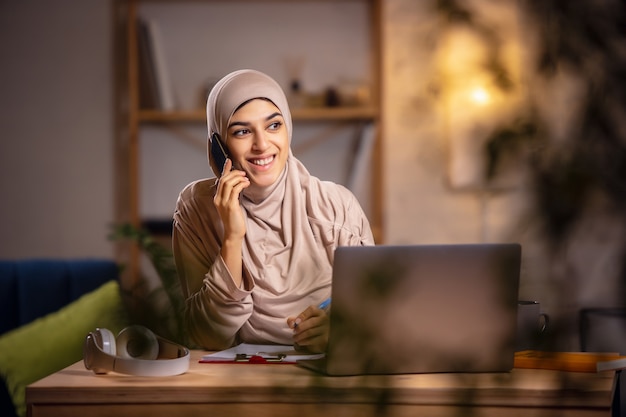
x=254 y=247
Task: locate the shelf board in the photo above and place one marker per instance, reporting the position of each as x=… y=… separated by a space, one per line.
x=334 y=113
x=301 y=114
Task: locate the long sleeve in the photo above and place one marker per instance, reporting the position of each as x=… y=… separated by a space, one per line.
x=348 y=226
x=287 y=257
x=215 y=309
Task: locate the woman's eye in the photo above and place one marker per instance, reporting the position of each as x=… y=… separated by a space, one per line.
x=275 y=126
x=240 y=132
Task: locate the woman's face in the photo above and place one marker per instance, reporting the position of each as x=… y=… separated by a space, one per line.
x=258 y=141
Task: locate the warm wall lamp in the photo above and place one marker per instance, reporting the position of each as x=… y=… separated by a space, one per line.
x=480 y=96
x=473 y=106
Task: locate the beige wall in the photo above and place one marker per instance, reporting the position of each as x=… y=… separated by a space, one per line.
x=56 y=128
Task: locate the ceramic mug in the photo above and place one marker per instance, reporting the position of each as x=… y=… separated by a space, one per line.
x=531 y=324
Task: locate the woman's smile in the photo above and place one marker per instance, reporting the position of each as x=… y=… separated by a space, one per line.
x=258 y=141
x=262 y=162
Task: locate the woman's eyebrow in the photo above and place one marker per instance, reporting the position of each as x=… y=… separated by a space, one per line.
x=233 y=124
x=271 y=116
x=246 y=124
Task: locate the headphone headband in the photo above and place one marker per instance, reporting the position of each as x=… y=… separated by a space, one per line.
x=98 y=356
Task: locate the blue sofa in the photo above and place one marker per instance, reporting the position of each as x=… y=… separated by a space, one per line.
x=32 y=289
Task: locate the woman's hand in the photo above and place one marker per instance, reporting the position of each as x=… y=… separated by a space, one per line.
x=226 y=200
x=310 y=329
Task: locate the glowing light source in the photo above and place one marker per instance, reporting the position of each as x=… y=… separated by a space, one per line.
x=480 y=96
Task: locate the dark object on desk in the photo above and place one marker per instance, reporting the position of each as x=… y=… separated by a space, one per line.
x=603 y=330
x=422 y=309
x=532 y=324
x=618 y=405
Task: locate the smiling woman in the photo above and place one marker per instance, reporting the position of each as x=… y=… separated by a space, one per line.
x=258 y=141
x=254 y=246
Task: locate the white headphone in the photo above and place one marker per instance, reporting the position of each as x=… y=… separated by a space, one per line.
x=136 y=351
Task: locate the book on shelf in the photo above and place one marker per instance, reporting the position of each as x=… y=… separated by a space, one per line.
x=155 y=84
x=148 y=88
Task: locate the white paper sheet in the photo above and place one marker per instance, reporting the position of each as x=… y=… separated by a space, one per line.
x=264 y=351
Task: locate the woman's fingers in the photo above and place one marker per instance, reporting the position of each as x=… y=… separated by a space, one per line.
x=310 y=329
x=314 y=339
x=226 y=199
x=230 y=185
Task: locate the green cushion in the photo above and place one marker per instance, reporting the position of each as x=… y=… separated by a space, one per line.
x=55 y=341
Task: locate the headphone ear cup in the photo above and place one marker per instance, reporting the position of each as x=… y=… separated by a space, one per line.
x=106 y=341
x=137 y=342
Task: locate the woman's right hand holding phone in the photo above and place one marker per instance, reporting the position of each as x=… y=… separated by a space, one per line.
x=226 y=200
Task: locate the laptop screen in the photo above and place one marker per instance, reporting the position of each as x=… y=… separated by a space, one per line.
x=423 y=308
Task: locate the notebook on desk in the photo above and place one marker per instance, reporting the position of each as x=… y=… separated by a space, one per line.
x=422 y=309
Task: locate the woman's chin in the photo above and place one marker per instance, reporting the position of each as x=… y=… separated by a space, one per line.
x=263 y=179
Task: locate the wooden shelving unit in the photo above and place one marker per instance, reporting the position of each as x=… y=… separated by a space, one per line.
x=298 y=114
x=131 y=118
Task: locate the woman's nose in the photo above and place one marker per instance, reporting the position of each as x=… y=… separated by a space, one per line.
x=260 y=142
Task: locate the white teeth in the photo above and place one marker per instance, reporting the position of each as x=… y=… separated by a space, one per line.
x=263 y=162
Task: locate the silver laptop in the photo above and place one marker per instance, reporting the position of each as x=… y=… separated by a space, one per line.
x=422 y=309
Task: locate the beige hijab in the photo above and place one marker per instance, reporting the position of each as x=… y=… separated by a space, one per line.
x=235 y=89
x=292 y=230
x=280 y=246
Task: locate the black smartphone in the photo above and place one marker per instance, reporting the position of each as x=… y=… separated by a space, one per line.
x=218 y=152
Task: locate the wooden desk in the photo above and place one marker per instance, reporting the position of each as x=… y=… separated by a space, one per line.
x=288 y=390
